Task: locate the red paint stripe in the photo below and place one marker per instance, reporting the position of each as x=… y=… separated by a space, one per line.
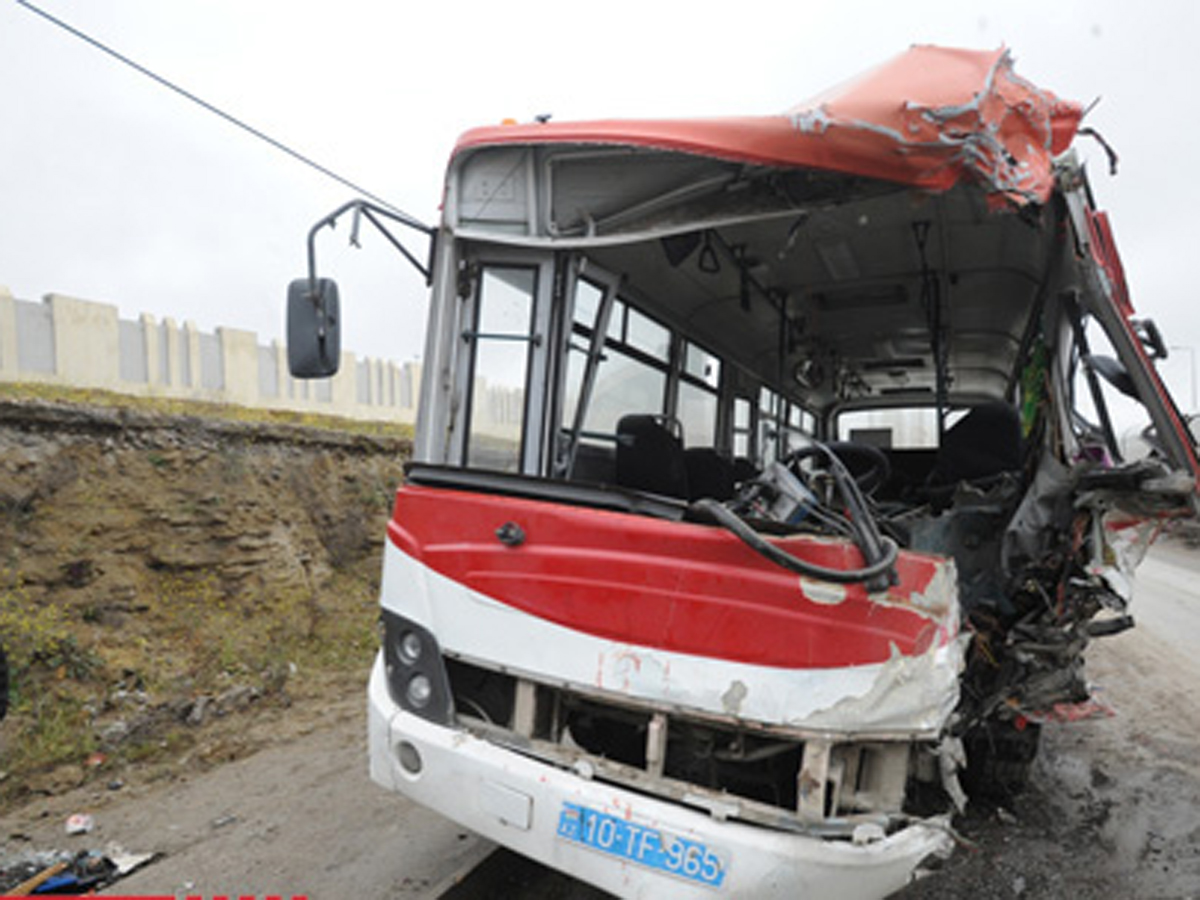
x=665 y=585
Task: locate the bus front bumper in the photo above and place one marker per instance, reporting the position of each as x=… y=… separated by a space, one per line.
x=624 y=842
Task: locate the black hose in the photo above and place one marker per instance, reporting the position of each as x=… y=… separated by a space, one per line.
x=862 y=524
x=731 y=521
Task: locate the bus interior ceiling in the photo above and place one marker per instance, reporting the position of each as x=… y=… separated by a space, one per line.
x=853 y=292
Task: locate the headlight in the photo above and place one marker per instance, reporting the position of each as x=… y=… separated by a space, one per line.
x=419 y=691
x=410 y=647
x=416 y=677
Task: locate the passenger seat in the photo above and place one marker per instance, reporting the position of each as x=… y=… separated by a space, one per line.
x=982 y=444
x=650 y=458
x=709 y=474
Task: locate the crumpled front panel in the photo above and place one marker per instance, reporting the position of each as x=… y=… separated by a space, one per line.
x=950 y=112
x=929 y=118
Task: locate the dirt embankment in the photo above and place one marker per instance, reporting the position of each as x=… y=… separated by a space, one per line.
x=161 y=574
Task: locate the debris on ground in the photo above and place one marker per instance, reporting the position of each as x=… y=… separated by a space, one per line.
x=57 y=872
x=80 y=823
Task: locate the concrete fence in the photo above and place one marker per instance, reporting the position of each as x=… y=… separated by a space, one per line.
x=80 y=343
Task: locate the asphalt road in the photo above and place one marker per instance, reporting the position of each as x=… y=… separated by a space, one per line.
x=1167 y=600
x=301 y=818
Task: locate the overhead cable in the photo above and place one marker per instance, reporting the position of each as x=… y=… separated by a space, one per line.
x=233 y=120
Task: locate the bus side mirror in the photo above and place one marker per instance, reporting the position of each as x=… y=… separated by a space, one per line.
x=314 y=338
x=1151 y=337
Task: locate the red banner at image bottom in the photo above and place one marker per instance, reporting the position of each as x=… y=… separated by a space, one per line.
x=165 y=897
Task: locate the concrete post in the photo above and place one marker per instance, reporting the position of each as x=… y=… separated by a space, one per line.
x=344 y=387
x=376 y=370
x=8 y=336
x=170 y=346
x=191 y=339
x=86 y=342
x=415 y=372
x=150 y=343
x=282 y=375
x=239 y=353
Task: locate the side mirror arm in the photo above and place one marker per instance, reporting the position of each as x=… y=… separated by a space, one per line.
x=371 y=212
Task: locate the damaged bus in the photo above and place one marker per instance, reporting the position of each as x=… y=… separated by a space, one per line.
x=771 y=476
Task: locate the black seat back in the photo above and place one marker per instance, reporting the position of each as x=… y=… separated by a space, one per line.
x=649 y=457
x=709 y=474
x=982 y=444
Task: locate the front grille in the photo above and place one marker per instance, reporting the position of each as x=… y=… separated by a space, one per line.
x=729 y=768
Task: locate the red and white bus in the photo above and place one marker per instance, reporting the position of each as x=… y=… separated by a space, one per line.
x=771 y=475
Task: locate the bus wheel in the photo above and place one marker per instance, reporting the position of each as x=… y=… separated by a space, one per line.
x=1000 y=755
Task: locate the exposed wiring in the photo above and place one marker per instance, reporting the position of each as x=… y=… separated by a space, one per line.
x=730 y=520
x=233 y=120
x=855 y=522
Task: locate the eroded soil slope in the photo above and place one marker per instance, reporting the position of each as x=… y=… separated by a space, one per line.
x=160 y=572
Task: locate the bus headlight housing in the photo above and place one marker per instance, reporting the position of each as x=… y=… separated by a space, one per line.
x=416 y=678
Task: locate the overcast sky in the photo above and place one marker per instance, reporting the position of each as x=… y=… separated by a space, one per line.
x=112 y=188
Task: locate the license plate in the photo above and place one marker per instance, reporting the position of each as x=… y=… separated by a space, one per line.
x=648 y=847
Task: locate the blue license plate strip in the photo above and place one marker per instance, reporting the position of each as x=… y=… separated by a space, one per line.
x=648 y=847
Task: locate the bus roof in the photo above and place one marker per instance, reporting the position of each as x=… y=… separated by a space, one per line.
x=930 y=118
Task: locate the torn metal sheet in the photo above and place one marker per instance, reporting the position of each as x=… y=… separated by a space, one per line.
x=947 y=113
x=906 y=691
x=1119 y=544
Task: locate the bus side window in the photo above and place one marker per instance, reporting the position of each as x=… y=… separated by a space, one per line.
x=741 y=428
x=697 y=403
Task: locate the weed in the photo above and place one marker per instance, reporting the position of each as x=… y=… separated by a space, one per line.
x=29 y=631
x=47 y=730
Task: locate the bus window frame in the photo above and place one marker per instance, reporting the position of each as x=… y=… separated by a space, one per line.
x=477 y=259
